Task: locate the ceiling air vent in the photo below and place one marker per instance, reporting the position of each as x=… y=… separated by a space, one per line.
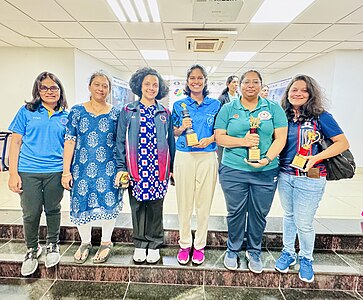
x=216 y=10
x=205 y=45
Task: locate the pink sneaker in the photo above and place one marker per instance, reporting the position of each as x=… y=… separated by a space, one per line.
x=198 y=256
x=183 y=255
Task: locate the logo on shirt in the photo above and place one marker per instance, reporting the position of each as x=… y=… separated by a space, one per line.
x=64 y=121
x=210 y=121
x=236 y=116
x=264 y=115
x=163 y=119
x=37 y=118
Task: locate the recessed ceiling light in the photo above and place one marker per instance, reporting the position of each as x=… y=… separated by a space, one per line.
x=142 y=10
x=153 y=5
x=239 y=56
x=114 y=4
x=280 y=11
x=128 y=8
x=155 y=54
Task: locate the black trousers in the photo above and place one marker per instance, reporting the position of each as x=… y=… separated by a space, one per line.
x=147 y=222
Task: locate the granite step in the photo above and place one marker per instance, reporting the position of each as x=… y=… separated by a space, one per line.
x=334 y=270
x=332 y=234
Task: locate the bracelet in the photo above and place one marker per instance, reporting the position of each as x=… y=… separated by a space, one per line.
x=65 y=175
x=268 y=159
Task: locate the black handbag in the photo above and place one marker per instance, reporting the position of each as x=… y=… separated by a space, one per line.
x=341 y=166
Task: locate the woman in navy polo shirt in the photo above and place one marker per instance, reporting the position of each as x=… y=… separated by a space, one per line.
x=249 y=187
x=36 y=158
x=195 y=169
x=301 y=190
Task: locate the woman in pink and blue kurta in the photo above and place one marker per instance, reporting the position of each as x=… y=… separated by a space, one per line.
x=145 y=153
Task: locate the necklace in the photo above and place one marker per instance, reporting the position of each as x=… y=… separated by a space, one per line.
x=98 y=111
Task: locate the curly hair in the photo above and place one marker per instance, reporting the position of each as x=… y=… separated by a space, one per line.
x=138 y=77
x=205 y=91
x=313 y=107
x=34 y=104
x=228 y=81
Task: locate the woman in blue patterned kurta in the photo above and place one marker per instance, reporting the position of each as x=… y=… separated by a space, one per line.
x=90 y=142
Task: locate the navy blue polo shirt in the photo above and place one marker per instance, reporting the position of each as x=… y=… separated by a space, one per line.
x=43 y=139
x=202 y=115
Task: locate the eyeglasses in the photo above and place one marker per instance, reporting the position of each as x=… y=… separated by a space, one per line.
x=254 y=82
x=45 y=89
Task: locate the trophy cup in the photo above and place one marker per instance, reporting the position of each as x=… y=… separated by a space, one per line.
x=124 y=180
x=190 y=134
x=254 y=153
x=309 y=138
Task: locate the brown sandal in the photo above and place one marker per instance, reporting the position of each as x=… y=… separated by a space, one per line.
x=84 y=249
x=97 y=259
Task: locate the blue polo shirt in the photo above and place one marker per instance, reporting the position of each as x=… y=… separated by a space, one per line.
x=327 y=127
x=235 y=119
x=203 y=117
x=43 y=139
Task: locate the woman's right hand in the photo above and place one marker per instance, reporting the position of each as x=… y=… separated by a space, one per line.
x=119 y=175
x=15 y=183
x=251 y=139
x=67 y=182
x=186 y=123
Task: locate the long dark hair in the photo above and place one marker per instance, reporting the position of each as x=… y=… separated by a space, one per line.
x=205 y=91
x=138 y=77
x=34 y=104
x=228 y=81
x=313 y=107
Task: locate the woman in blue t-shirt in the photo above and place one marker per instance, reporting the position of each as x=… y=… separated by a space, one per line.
x=301 y=187
x=36 y=159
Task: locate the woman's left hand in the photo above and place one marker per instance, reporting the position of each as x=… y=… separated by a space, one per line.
x=261 y=163
x=205 y=142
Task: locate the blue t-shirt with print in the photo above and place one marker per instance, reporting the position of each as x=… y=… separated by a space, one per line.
x=42 y=139
x=203 y=117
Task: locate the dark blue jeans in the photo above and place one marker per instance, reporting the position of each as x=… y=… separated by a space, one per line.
x=248 y=196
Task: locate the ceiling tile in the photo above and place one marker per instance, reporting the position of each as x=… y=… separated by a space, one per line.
x=86 y=44
x=347 y=46
x=10 y=13
x=354 y=17
x=169 y=27
x=42 y=10
x=175 y=10
x=67 y=29
x=133 y=62
x=327 y=11
x=144 y=30
x=281 y=46
x=105 y=29
x=268 y=56
x=100 y=54
x=15 y=39
x=357 y=37
x=183 y=56
x=122 y=68
x=314 y=47
x=3 y=44
x=118 y=44
x=249 y=46
x=127 y=54
x=150 y=44
x=339 y=32
x=261 y=31
x=112 y=62
x=29 y=28
x=159 y=63
x=170 y=45
x=181 y=63
x=161 y=70
x=248 y=10
x=88 y=10
x=282 y=64
x=256 y=64
x=296 y=56
x=301 y=31
x=211 y=56
x=53 y=43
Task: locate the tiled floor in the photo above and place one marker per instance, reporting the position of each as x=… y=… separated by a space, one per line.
x=342 y=200
x=47 y=289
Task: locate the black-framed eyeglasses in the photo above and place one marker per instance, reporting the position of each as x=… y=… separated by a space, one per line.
x=44 y=88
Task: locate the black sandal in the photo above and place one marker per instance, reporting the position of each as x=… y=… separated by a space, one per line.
x=96 y=259
x=84 y=249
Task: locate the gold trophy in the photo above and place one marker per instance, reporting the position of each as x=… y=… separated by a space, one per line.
x=190 y=134
x=124 y=180
x=309 y=138
x=254 y=153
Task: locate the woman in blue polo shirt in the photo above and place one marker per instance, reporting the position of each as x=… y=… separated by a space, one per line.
x=301 y=189
x=249 y=187
x=195 y=167
x=36 y=159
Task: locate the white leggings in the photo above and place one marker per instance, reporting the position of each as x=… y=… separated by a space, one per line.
x=86 y=229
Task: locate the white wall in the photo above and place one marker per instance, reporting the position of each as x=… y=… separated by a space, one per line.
x=84 y=66
x=20 y=67
x=340 y=75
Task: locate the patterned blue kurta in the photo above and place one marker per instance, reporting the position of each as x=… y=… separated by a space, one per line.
x=93 y=195
x=149 y=187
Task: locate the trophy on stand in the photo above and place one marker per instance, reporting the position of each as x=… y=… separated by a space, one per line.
x=124 y=180
x=190 y=134
x=309 y=138
x=254 y=153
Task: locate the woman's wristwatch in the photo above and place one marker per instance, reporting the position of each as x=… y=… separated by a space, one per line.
x=268 y=159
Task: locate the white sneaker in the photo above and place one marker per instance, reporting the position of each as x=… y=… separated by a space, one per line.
x=139 y=255
x=153 y=255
